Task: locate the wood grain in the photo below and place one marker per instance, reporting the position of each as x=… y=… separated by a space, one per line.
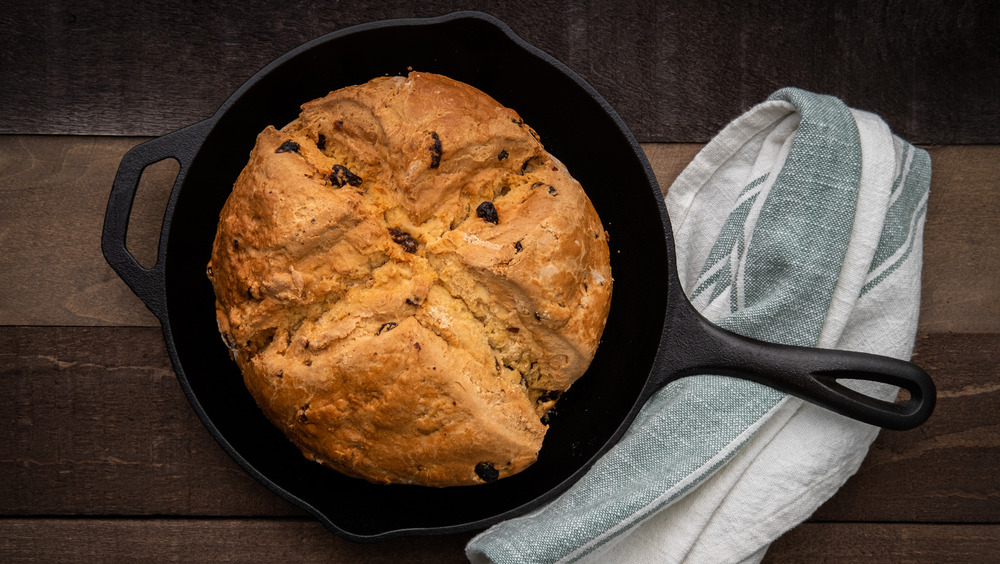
x=55 y=189
x=961 y=275
x=675 y=71
x=268 y=540
x=54 y=192
x=887 y=544
x=209 y=540
x=98 y=425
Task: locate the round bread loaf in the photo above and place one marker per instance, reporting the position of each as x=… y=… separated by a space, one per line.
x=408 y=280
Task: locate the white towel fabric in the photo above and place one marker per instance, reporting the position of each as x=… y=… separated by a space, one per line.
x=800 y=223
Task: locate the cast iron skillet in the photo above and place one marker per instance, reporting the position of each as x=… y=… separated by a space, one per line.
x=653 y=335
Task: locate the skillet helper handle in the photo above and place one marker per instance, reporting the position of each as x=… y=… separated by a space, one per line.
x=811 y=374
x=146 y=283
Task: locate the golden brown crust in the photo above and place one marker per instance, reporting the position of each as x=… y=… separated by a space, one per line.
x=389 y=326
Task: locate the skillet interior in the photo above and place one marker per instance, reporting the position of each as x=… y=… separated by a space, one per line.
x=575 y=125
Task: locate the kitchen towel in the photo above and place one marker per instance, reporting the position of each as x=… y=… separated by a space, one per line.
x=801 y=222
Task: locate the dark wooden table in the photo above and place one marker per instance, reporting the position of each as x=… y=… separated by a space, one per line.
x=101 y=457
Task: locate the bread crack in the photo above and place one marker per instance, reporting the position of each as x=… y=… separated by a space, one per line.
x=509 y=348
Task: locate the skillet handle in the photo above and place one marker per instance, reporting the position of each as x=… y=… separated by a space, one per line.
x=146 y=283
x=808 y=373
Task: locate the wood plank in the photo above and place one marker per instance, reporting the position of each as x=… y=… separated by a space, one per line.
x=886 y=543
x=98 y=426
x=259 y=540
x=961 y=275
x=55 y=190
x=676 y=72
x=214 y=540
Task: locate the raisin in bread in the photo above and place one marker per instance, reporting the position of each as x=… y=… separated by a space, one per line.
x=408 y=280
